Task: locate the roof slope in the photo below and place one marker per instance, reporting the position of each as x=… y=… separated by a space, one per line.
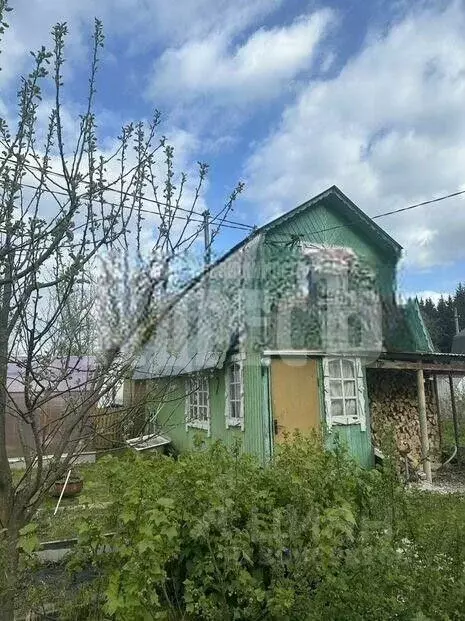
x=336 y=198
x=202 y=321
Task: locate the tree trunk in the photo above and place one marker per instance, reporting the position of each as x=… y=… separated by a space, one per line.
x=9 y=561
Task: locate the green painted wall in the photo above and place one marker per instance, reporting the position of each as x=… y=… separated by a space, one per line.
x=358 y=442
x=253 y=439
x=322 y=224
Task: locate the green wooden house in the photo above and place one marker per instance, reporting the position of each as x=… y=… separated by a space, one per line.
x=292 y=329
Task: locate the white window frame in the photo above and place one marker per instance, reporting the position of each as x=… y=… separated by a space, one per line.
x=235 y=421
x=358 y=377
x=197 y=383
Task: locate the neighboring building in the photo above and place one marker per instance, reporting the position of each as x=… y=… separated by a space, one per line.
x=54 y=386
x=296 y=327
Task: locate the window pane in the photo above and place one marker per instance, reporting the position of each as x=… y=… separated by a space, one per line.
x=334 y=368
x=335 y=388
x=351 y=407
x=234 y=391
x=197 y=399
x=336 y=408
x=348 y=368
x=349 y=389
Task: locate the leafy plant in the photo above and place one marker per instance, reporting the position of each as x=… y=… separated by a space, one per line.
x=215 y=535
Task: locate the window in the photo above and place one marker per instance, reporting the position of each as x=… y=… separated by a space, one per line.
x=344 y=392
x=235 y=393
x=198 y=402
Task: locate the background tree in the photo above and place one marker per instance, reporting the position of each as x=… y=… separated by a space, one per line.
x=68 y=209
x=439 y=317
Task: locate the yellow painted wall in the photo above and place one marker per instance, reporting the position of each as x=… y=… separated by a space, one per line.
x=294 y=395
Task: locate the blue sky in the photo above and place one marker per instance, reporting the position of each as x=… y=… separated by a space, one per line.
x=291 y=97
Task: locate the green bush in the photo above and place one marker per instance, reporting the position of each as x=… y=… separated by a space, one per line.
x=215 y=536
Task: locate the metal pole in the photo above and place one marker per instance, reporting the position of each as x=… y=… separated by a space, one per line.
x=206 y=235
x=456 y=320
x=425 y=458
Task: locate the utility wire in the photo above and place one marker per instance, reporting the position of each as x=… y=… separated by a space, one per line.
x=239 y=226
x=433 y=200
x=233 y=224
x=136 y=196
x=391 y=213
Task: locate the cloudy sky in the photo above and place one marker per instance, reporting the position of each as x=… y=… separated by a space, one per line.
x=290 y=96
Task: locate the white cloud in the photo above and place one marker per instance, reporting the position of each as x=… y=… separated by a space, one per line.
x=389 y=130
x=142 y=25
x=187 y=19
x=257 y=69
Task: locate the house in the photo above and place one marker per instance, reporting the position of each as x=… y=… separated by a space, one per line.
x=297 y=327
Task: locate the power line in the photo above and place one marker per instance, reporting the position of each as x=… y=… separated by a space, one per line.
x=234 y=224
x=239 y=226
x=433 y=200
x=137 y=196
x=394 y=211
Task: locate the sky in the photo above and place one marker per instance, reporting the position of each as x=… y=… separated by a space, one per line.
x=290 y=97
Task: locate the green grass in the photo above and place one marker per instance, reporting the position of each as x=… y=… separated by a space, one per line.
x=64 y=525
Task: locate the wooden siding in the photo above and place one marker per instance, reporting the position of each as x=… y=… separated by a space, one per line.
x=295 y=400
x=322 y=225
x=254 y=438
x=49 y=420
x=357 y=442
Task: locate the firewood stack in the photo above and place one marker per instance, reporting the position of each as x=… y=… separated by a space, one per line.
x=394 y=406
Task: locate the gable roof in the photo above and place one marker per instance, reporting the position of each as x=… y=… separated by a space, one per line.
x=179 y=355
x=334 y=197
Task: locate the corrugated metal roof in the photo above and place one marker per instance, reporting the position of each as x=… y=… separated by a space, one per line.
x=430 y=356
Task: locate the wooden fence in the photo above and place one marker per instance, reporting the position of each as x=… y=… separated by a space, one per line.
x=108 y=428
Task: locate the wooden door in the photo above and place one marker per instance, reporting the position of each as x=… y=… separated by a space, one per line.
x=294 y=396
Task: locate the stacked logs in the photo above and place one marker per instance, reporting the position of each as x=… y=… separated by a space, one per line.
x=394 y=409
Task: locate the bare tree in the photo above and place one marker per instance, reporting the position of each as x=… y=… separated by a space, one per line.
x=69 y=209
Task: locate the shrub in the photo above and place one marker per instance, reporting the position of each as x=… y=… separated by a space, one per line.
x=216 y=536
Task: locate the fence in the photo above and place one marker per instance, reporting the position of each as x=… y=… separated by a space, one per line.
x=108 y=428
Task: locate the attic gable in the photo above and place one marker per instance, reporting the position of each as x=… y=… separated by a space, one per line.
x=335 y=200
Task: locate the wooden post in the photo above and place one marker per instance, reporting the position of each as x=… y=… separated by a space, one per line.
x=425 y=458
x=454 y=412
x=438 y=410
